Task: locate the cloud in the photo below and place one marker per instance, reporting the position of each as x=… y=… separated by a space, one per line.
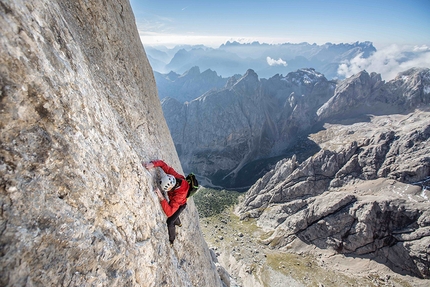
x=273 y=62
x=388 y=61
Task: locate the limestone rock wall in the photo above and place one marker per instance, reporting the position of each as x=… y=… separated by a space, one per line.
x=79 y=112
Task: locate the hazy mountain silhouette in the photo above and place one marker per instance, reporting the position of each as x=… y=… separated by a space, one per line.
x=265 y=59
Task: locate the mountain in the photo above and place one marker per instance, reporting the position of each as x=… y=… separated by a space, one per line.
x=231 y=136
x=189 y=85
x=223 y=62
x=79 y=115
x=218 y=134
x=266 y=60
x=364 y=93
x=364 y=195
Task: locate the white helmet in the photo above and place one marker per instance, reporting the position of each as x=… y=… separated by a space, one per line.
x=167 y=182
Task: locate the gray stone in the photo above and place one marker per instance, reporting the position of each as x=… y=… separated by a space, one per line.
x=368 y=198
x=79 y=113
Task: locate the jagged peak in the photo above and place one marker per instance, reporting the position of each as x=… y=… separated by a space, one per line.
x=250 y=77
x=169 y=100
x=209 y=72
x=305 y=76
x=230 y=82
x=172 y=76
x=250 y=73
x=413 y=72
x=192 y=72
x=360 y=75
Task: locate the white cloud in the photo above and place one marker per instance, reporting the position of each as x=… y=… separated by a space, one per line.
x=388 y=62
x=273 y=62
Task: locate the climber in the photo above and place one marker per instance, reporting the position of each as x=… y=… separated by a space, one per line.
x=177 y=188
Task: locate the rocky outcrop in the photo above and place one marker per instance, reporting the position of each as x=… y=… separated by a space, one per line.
x=79 y=112
x=368 y=198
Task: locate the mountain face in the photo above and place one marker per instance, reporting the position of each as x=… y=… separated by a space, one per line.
x=189 y=85
x=230 y=134
x=79 y=113
x=217 y=134
x=266 y=60
x=364 y=195
x=364 y=93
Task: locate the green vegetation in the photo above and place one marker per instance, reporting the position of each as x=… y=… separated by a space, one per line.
x=211 y=202
x=241 y=239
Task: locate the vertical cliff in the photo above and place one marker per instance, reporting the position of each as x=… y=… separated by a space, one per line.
x=79 y=112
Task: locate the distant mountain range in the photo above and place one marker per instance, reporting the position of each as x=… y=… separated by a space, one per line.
x=265 y=59
x=232 y=135
x=189 y=85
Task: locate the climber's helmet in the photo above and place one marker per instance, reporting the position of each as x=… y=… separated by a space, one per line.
x=167 y=182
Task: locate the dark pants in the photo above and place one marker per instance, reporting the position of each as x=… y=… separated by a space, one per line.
x=174 y=220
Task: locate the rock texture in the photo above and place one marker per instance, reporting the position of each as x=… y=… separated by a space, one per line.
x=79 y=112
x=365 y=194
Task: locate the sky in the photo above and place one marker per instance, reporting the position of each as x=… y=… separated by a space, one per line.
x=395 y=27
x=212 y=23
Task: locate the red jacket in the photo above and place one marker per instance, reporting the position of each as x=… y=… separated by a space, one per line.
x=177 y=196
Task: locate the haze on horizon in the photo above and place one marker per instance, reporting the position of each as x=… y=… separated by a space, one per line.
x=396 y=28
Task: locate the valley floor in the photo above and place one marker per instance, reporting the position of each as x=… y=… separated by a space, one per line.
x=238 y=249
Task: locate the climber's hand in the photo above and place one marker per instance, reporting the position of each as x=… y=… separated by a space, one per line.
x=148 y=165
x=159 y=194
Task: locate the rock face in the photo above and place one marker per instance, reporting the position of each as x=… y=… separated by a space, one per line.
x=365 y=194
x=79 y=113
x=228 y=135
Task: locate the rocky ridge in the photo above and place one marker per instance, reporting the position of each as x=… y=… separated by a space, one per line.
x=79 y=113
x=363 y=195
x=188 y=86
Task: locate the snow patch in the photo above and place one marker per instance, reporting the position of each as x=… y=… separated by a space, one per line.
x=307 y=80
